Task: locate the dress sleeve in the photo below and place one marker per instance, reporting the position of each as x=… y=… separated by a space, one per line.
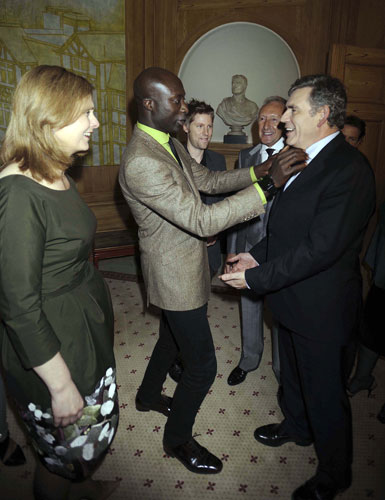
x=22 y=236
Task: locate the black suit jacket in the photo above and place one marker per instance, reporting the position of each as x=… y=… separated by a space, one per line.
x=215 y=162
x=310 y=256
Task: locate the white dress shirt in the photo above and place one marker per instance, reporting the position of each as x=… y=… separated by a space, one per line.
x=277 y=148
x=312 y=151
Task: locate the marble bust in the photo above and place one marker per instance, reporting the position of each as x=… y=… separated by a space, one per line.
x=237 y=111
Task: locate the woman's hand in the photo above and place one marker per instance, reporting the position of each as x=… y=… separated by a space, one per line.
x=67 y=403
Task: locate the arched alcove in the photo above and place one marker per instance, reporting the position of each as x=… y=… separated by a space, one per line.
x=238 y=48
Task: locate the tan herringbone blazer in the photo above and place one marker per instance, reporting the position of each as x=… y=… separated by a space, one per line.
x=173 y=221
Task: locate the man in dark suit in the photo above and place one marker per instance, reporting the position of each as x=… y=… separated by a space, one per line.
x=245 y=236
x=309 y=265
x=199 y=129
x=161 y=184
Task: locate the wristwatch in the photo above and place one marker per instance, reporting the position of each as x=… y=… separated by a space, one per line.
x=267 y=184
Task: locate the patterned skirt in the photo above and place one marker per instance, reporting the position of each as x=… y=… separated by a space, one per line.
x=75 y=451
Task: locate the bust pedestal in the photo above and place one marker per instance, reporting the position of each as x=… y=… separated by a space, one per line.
x=235 y=139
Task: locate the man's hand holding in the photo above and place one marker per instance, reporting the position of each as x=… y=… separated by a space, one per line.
x=240 y=262
x=236 y=280
x=263 y=168
x=287 y=162
x=228 y=264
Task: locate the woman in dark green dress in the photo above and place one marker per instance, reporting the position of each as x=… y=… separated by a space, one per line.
x=56 y=340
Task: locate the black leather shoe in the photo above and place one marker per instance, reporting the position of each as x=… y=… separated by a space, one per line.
x=237 y=376
x=176 y=370
x=317 y=489
x=272 y=435
x=195 y=457
x=163 y=405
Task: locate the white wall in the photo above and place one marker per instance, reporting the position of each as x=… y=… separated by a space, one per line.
x=238 y=48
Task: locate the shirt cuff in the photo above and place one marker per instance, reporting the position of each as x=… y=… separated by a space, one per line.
x=261 y=193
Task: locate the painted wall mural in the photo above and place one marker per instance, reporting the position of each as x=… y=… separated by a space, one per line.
x=86 y=37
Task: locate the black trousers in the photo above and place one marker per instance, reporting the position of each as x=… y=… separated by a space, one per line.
x=186 y=332
x=314 y=401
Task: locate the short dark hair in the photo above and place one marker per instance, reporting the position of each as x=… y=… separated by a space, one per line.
x=326 y=90
x=357 y=122
x=196 y=107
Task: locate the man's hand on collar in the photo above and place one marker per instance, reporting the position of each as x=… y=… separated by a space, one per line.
x=287 y=162
x=263 y=168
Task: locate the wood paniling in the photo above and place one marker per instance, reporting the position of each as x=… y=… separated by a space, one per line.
x=111 y=244
x=241 y=4
x=197 y=23
x=112 y=214
x=160 y=32
x=229 y=151
x=370 y=23
x=293 y=21
x=343 y=24
x=370 y=143
x=358 y=22
x=99 y=187
x=365 y=83
x=363 y=72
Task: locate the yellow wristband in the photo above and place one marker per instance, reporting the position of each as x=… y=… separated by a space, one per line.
x=261 y=193
x=252 y=175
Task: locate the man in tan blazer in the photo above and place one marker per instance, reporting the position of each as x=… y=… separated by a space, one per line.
x=161 y=184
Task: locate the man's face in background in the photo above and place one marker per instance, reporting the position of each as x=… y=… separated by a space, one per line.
x=269 y=118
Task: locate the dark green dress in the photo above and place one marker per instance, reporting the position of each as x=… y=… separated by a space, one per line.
x=53 y=299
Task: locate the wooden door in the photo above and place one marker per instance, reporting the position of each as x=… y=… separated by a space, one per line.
x=363 y=73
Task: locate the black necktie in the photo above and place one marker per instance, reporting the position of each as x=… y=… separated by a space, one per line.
x=269 y=152
x=172 y=147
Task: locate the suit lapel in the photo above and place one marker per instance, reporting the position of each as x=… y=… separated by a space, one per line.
x=160 y=153
x=185 y=159
x=157 y=151
x=253 y=157
x=315 y=166
x=313 y=169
